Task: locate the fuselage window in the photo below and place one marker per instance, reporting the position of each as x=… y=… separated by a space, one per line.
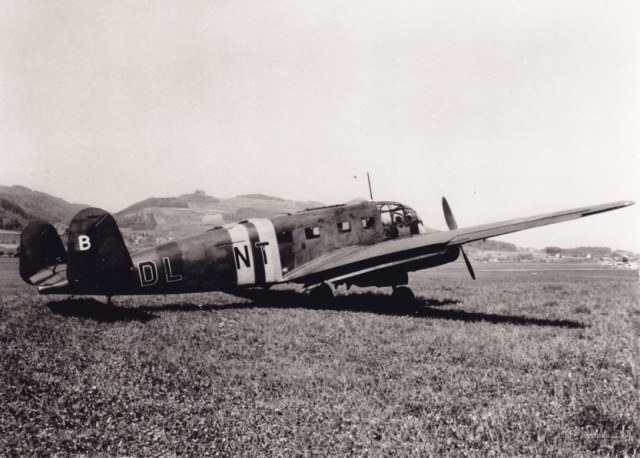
x=368 y=223
x=344 y=226
x=284 y=237
x=312 y=232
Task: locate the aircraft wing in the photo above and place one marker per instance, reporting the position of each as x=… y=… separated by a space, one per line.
x=361 y=260
x=484 y=231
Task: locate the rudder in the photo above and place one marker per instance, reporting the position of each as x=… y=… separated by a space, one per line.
x=99 y=261
x=42 y=255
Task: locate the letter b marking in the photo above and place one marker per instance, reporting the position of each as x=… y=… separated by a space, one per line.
x=84 y=242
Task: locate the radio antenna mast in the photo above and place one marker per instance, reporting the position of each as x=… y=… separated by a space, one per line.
x=369 y=181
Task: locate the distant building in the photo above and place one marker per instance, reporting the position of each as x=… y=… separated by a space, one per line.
x=9 y=237
x=9 y=242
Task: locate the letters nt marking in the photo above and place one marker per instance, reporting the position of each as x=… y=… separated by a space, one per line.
x=238 y=255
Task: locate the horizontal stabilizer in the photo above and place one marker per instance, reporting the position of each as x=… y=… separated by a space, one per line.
x=51 y=276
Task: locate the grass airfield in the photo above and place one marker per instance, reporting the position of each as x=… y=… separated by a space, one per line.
x=531 y=359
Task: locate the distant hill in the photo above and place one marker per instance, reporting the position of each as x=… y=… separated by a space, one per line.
x=581 y=252
x=183 y=201
x=493 y=245
x=162 y=216
x=18 y=205
x=12 y=216
x=188 y=214
x=261 y=196
x=166 y=202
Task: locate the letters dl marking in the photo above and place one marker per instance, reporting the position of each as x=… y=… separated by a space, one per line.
x=148 y=272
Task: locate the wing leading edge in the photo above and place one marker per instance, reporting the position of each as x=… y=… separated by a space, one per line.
x=409 y=252
x=484 y=231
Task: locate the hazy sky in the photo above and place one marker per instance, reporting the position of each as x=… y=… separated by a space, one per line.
x=507 y=108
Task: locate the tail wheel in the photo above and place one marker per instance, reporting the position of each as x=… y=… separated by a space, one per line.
x=403 y=296
x=321 y=294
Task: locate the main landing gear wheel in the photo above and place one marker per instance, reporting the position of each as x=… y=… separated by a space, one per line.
x=321 y=295
x=403 y=298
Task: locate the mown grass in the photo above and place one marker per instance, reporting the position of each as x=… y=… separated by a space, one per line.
x=522 y=362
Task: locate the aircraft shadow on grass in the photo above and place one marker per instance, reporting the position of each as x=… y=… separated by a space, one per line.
x=376 y=303
x=382 y=304
x=93 y=309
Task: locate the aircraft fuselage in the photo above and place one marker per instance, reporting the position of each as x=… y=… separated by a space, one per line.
x=260 y=252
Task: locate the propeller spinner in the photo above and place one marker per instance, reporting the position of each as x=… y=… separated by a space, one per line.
x=451 y=223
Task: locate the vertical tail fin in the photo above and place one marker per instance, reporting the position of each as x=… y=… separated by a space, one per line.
x=99 y=261
x=42 y=255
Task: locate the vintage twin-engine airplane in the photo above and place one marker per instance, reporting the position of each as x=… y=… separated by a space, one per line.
x=362 y=243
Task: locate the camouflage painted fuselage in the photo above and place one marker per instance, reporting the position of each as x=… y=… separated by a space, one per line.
x=339 y=244
x=262 y=252
x=256 y=252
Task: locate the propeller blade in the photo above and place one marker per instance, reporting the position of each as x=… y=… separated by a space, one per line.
x=448 y=215
x=466 y=261
x=451 y=222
